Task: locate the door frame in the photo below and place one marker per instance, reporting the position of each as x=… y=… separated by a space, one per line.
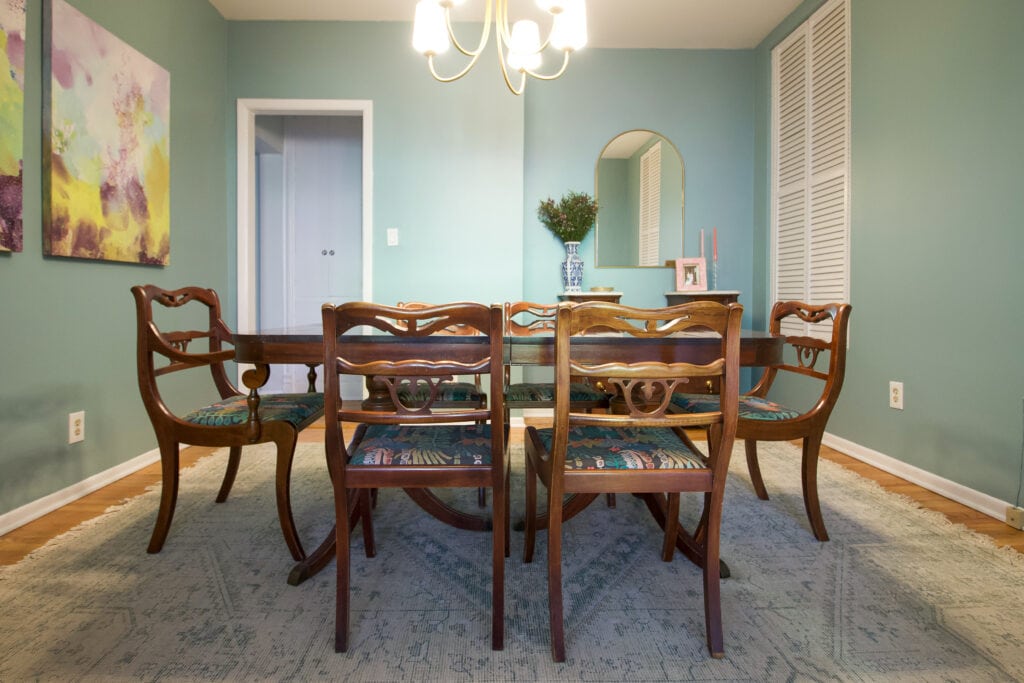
x=247 y=110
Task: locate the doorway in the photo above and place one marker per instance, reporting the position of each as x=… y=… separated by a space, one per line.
x=304 y=214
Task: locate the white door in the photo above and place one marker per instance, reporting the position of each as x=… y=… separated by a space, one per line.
x=310 y=225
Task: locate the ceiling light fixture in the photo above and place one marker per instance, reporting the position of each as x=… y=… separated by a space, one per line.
x=519 y=47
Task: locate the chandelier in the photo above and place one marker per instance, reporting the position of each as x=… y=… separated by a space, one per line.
x=519 y=47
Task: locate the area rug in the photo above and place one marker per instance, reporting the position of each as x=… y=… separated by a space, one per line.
x=898 y=594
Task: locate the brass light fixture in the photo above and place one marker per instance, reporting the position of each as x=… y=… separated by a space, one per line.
x=519 y=45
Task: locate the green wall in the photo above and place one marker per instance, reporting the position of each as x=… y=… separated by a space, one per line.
x=937 y=235
x=68 y=326
x=937 y=214
x=447 y=161
x=700 y=100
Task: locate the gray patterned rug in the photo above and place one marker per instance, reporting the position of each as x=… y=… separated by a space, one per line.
x=897 y=595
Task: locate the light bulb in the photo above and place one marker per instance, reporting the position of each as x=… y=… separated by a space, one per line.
x=569 y=31
x=429 y=30
x=524 y=46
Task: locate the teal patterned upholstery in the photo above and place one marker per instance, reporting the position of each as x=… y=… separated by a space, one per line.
x=450 y=392
x=423 y=445
x=751 y=407
x=528 y=392
x=293 y=408
x=624 y=448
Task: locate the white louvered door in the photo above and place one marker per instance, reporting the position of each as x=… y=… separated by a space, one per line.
x=811 y=162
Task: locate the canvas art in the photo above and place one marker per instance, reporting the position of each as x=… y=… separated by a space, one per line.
x=12 y=121
x=106 y=188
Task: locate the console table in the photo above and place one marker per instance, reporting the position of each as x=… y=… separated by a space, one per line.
x=579 y=297
x=722 y=296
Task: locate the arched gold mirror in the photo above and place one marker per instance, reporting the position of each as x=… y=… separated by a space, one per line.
x=638 y=183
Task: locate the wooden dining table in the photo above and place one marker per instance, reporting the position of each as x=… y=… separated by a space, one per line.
x=304 y=345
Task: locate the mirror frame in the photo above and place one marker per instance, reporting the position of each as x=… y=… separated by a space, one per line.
x=666 y=263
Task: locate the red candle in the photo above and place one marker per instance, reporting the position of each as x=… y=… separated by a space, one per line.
x=714 y=243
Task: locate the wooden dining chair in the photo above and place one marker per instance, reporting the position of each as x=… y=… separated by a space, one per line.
x=641 y=447
x=528 y=319
x=816 y=342
x=416 y=445
x=234 y=420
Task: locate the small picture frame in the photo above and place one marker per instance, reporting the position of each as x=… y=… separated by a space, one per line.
x=691 y=274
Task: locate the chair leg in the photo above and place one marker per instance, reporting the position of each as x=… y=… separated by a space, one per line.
x=750 y=446
x=366 y=515
x=508 y=508
x=809 y=479
x=668 y=547
x=710 y=571
x=610 y=497
x=282 y=486
x=481 y=497
x=499 y=529
x=234 y=458
x=530 y=520
x=168 y=495
x=555 y=617
x=341 y=550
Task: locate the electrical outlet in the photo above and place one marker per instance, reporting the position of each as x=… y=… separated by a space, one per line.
x=76 y=427
x=896 y=395
x=1015 y=517
x=392 y=237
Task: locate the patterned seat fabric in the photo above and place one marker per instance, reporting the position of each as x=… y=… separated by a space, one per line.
x=293 y=408
x=545 y=392
x=624 y=448
x=751 y=407
x=423 y=445
x=462 y=392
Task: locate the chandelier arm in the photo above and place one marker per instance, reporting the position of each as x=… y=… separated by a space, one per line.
x=551 y=77
x=501 y=21
x=484 y=35
x=504 y=74
x=450 y=79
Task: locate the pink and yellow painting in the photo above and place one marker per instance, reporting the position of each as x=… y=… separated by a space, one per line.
x=12 y=121
x=107 y=187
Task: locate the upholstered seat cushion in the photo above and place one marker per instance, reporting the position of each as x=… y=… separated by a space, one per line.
x=624 y=448
x=751 y=407
x=423 y=445
x=450 y=392
x=293 y=408
x=535 y=392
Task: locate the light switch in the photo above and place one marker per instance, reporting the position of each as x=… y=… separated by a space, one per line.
x=392 y=237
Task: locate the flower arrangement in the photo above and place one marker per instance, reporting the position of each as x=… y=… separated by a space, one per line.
x=571 y=218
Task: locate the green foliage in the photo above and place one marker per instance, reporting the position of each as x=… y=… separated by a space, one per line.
x=571 y=218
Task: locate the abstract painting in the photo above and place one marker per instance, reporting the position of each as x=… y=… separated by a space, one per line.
x=106 y=176
x=12 y=121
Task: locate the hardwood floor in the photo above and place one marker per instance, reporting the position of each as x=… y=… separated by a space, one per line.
x=19 y=542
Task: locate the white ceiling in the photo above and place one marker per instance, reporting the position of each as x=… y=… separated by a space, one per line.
x=694 y=24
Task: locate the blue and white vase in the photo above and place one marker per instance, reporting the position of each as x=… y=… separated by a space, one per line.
x=572 y=269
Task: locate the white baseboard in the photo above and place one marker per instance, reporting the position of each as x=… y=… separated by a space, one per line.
x=37 y=508
x=976 y=500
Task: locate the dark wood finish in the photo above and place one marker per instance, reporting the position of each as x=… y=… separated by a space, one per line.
x=526 y=319
x=722 y=296
x=645 y=386
x=393 y=364
x=810 y=426
x=304 y=345
x=580 y=297
x=175 y=355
